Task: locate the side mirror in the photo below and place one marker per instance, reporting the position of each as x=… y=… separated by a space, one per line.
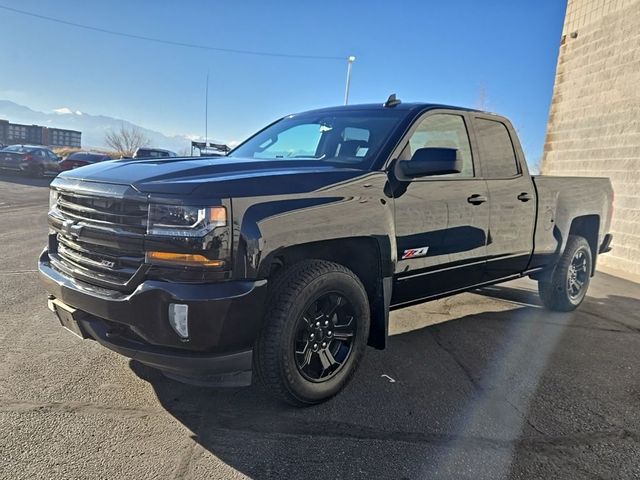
x=431 y=161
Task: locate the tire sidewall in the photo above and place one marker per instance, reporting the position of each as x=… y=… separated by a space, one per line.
x=561 y=281
x=333 y=282
x=38 y=171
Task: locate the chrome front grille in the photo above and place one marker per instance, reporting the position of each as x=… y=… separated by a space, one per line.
x=98 y=239
x=128 y=215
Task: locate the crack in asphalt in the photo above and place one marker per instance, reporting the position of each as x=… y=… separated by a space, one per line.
x=526 y=418
x=357 y=432
x=18 y=272
x=74 y=407
x=435 y=334
x=231 y=424
x=196 y=450
x=477 y=386
x=628 y=328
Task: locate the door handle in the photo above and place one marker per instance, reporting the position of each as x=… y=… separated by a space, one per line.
x=524 y=197
x=476 y=199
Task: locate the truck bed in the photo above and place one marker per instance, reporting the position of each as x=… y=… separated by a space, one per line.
x=560 y=200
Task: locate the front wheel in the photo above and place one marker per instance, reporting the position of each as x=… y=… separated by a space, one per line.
x=314 y=333
x=565 y=290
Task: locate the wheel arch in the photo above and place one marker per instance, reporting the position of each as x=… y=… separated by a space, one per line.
x=367 y=257
x=587 y=226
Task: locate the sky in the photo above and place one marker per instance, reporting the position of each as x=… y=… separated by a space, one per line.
x=499 y=55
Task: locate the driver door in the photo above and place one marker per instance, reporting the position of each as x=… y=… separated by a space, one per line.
x=441 y=221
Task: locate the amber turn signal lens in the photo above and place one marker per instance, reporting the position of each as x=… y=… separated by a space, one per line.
x=184 y=259
x=218 y=215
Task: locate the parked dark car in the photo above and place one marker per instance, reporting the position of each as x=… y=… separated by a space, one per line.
x=285 y=257
x=29 y=159
x=147 y=152
x=80 y=159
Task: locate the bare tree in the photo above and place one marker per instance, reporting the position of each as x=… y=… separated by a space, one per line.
x=126 y=140
x=482 y=102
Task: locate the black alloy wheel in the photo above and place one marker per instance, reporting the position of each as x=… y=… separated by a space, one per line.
x=565 y=287
x=324 y=339
x=314 y=333
x=578 y=274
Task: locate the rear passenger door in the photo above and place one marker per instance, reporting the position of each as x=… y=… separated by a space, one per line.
x=441 y=221
x=511 y=194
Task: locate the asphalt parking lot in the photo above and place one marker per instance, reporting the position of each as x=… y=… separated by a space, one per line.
x=481 y=385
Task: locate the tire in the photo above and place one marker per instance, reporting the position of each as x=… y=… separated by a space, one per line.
x=293 y=347
x=561 y=292
x=38 y=171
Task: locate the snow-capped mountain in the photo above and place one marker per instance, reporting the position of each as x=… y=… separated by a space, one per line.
x=93 y=127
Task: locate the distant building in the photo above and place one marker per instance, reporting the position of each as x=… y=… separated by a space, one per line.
x=15 y=133
x=594 y=123
x=58 y=137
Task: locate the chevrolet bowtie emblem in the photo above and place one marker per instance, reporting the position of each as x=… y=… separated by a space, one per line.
x=66 y=226
x=70 y=228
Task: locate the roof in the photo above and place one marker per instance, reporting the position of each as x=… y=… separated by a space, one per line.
x=28 y=146
x=155 y=149
x=413 y=106
x=87 y=152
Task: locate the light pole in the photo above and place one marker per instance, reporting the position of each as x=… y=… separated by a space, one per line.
x=206 y=111
x=350 y=61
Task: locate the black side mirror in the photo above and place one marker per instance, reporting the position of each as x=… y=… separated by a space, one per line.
x=431 y=161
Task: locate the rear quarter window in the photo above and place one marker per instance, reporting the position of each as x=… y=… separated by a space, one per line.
x=496 y=149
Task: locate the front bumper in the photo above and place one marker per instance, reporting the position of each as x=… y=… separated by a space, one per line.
x=224 y=320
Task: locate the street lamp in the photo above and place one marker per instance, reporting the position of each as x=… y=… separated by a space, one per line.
x=350 y=61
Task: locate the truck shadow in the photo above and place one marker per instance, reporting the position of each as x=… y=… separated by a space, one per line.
x=469 y=398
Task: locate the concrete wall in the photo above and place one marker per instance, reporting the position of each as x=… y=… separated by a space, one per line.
x=594 y=123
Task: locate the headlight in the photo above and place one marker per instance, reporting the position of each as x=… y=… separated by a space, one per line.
x=184 y=220
x=53 y=199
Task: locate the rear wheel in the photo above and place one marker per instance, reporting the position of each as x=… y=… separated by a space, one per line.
x=568 y=284
x=314 y=333
x=38 y=171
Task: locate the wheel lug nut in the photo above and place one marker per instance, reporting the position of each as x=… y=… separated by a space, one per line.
x=317 y=324
x=326 y=322
x=329 y=333
x=312 y=336
x=315 y=346
x=324 y=344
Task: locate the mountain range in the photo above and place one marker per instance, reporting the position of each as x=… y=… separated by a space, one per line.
x=93 y=127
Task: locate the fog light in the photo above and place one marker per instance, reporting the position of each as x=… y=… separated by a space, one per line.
x=178 y=319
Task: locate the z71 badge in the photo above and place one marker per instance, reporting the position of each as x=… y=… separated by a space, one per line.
x=415 y=252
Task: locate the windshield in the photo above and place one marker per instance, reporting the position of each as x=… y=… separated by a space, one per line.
x=348 y=137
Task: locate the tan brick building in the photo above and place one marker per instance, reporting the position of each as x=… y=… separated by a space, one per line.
x=594 y=123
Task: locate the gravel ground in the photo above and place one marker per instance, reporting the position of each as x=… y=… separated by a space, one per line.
x=480 y=385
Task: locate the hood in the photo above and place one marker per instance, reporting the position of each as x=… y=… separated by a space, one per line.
x=223 y=176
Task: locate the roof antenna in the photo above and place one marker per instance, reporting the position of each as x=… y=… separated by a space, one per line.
x=392 y=101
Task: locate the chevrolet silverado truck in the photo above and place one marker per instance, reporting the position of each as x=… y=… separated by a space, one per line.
x=284 y=257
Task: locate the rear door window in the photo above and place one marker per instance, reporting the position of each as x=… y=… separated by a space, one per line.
x=496 y=149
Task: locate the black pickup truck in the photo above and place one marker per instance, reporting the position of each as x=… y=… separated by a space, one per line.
x=285 y=257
